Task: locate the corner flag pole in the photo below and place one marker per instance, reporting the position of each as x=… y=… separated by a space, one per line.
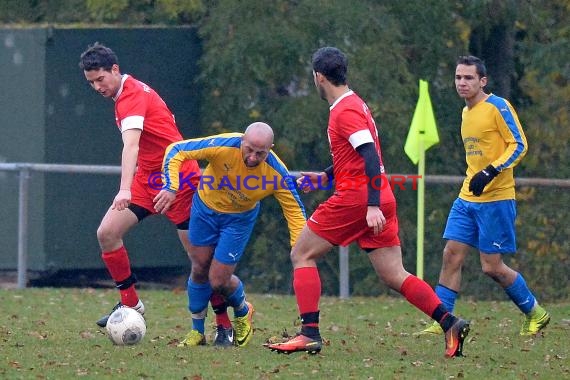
x=422 y=136
x=421 y=208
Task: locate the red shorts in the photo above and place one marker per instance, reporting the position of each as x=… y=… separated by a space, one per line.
x=340 y=223
x=144 y=189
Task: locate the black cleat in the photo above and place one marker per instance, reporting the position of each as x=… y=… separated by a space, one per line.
x=224 y=337
x=102 y=322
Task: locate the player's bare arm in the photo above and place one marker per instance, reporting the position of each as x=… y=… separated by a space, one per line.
x=129 y=157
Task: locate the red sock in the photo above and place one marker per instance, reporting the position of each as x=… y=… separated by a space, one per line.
x=420 y=294
x=221 y=310
x=119 y=267
x=307 y=286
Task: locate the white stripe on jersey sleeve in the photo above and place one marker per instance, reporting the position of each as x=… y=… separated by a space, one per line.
x=361 y=137
x=132 y=122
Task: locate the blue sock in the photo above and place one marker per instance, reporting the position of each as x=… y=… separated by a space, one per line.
x=447 y=297
x=198 y=298
x=520 y=294
x=237 y=301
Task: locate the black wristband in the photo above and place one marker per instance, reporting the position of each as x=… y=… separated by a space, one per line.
x=329 y=171
x=492 y=171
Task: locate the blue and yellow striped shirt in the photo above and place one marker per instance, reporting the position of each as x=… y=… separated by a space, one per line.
x=492 y=134
x=227 y=185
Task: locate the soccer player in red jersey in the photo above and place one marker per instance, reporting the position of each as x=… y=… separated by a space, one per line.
x=147 y=127
x=359 y=211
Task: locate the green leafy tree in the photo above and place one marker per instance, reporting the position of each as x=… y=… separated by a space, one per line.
x=257 y=66
x=544 y=56
x=109 y=12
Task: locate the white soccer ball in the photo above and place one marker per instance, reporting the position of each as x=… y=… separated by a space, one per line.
x=126 y=326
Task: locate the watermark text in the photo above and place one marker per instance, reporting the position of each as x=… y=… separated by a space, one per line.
x=157 y=181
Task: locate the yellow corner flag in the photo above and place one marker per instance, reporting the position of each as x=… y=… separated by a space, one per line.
x=423 y=127
x=422 y=136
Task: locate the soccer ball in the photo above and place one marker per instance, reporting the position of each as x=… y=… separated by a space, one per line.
x=126 y=326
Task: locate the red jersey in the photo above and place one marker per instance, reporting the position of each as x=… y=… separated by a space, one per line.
x=139 y=106
x=351 y=125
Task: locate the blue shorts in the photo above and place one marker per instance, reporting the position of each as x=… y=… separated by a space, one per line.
x=228 y=233
x=487 y=226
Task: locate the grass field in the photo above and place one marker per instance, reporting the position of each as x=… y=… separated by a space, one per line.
x=50 y=333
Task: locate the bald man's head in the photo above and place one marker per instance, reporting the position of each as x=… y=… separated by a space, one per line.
x=260 y=133
x=256 y=143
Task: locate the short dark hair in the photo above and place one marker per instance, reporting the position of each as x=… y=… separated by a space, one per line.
x=471 y=60
x=332 y=63
x=98 y=56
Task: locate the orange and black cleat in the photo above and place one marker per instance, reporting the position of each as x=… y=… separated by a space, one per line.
x=454 y=338
x=298 y=343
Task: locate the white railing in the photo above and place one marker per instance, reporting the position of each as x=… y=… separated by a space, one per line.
x=25 y=171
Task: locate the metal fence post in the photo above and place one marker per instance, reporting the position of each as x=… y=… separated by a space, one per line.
x=344 y=291
x=24 y=187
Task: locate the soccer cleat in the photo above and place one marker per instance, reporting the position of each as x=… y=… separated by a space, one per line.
x=299 y=343
x=243 y=327
x=192 y=339
x=102 y=322
x=433 y=329
x=535 y=321
x=224 y=337
x=454 y=338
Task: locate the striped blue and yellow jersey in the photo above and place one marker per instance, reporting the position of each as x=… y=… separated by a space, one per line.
x=227 y=185
x=492 y=134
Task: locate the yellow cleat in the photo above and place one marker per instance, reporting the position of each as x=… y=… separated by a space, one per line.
x=433 y=329
x=535 y=321
x=243 y=327
x=193 y=338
